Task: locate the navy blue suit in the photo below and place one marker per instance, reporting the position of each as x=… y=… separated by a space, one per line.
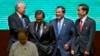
x=65 y=35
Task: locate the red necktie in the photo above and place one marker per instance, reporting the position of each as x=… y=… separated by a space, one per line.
x=81 y=26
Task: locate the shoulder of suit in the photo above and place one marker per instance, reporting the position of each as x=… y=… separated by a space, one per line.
x=90 y=20
x=77 y=20
x=12 y=16
x=47 y=24
x=31 y=23
x=68 y=20
x=53 y=20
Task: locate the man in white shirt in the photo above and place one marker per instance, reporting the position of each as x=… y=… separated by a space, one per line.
x=23 y=47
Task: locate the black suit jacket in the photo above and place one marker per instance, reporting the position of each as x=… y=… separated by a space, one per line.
x=47 y=42
x=84 y=39
x=15 y=25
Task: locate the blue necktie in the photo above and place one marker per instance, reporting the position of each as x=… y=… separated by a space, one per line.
x=23 y=22
x=59 y=27
x=59 y=30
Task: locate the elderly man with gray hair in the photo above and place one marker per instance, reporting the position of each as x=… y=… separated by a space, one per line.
x=17 y=21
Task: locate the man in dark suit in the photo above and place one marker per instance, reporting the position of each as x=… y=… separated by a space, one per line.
x=85 y=28
x=16 y=22
x=63 y=28
x=42 y=34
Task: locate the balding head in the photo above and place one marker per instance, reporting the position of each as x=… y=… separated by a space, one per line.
x=20 y=7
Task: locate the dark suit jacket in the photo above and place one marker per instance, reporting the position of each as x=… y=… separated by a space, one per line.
x=15 y=25
x=65 y=35
x=85 y=38
x=46 y=43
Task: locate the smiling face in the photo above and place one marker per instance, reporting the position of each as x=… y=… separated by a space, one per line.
x=59 y=13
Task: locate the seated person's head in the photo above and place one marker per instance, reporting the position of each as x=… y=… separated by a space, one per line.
x=22 y=37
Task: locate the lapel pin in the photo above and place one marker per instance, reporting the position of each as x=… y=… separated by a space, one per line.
x=86 y=28
x=64 y=24
x=44 y=27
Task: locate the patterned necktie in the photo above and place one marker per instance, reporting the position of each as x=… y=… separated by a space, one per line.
x=23 y=22
x=81 y=25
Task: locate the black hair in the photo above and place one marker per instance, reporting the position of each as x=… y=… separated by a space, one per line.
x=63 y=9
x=23 y=31
x=84 y=7
x=39 y=12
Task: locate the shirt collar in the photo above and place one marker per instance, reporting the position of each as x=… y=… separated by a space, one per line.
x=84 y=18
x=61 y=20
x=20 y=16
x=41 y=26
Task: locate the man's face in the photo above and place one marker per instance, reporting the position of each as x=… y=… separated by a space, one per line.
x=39 y=18
x=81 y=13
x=21 y=9
x=22 y=38
x=59 y=13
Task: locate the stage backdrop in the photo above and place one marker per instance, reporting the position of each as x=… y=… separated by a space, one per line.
x=7 y=7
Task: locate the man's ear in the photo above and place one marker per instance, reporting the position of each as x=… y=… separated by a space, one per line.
x=84 y=12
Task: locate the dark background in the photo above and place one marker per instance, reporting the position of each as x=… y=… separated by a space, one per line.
x=4 y=38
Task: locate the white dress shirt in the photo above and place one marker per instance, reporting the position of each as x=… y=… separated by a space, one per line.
x=60 y=23
x=83 y=20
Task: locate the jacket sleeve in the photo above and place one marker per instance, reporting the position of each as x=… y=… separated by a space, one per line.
x=91 y=35
x=71 y=33
x=12 y=24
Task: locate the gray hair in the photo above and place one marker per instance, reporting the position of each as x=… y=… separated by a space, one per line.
x=18 y=5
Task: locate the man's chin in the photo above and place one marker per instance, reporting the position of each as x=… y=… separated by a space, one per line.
x=58 y=18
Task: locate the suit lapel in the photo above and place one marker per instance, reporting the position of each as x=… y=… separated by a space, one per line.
x=64 y=25
x=78 y=26
x=85 y=23
x=33 y=30
x=18 y=20
x=25 y=19
x=44 y=28
x=55 y=28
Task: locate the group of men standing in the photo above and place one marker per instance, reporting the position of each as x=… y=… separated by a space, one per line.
x=59 y=37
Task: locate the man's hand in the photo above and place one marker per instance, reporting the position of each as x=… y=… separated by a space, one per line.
x=86 y=53
x=66 y=47
x=72 y=52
